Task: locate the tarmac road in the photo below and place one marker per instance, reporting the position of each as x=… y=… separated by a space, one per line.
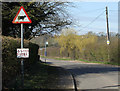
x=90 y=75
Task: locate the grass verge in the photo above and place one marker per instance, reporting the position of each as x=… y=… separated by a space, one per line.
x=99 y=62
x=67 y=59
x=57 y=58
x=39 y=76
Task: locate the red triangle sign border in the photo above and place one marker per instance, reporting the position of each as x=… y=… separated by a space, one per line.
x=22 y=21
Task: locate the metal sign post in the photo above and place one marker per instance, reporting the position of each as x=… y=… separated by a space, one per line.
x=22 y=61
x=45 y=52
x=46 y=43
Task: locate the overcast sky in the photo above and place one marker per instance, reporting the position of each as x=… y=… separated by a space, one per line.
x=91 y=16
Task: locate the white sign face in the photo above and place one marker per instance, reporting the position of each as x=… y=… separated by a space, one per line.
x=22 y=53
x=22 y=17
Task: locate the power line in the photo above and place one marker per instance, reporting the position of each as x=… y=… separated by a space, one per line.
x=113 y=10
x=90 y=11
x=93 y=20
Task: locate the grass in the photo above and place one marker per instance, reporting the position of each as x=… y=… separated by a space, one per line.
x=99 y=62
x=42 y=56
x=57 y=58
x=67 y=59
x=40 y=75
x=91 y=61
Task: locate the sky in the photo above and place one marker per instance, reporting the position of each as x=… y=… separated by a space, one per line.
x=91 y=16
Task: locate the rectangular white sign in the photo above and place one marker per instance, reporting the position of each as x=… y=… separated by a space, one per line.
x=22 y=53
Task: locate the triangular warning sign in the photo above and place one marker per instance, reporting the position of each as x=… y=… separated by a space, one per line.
x=22 y=16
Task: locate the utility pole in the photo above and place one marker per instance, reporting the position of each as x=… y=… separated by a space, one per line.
x=108 y=36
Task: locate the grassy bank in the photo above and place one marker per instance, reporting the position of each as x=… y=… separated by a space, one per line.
x=100 y=62
x=39 y=76
x=82 y=60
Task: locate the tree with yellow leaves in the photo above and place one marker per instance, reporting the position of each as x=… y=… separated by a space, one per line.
x=67 y=41
x=74 y=44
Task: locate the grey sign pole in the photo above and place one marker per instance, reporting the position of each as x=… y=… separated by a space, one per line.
x=45 y=52
x=22 y=62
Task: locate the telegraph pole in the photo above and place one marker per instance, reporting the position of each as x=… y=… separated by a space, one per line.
x=108 y=36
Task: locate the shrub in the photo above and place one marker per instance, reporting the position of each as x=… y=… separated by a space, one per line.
x=11 y=64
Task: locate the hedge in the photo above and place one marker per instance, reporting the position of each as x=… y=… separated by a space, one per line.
x=11 y=64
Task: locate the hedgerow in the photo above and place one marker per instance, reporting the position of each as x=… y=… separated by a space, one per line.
x=11 y=65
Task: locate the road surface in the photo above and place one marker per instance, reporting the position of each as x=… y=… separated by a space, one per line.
x=90 y=75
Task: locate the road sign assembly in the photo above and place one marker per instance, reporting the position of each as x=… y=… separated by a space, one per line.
x=22 y=16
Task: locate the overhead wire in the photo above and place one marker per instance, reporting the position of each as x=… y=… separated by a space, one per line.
x=93 y=20
x=90 y=11
x=114 y=10
x=86 y=26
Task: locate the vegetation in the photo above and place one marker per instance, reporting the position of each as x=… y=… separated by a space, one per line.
x=92 y=47
x=70 y=42
x=39 y=76
x=86 y=61
x=11 y=65
x=47 y=17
